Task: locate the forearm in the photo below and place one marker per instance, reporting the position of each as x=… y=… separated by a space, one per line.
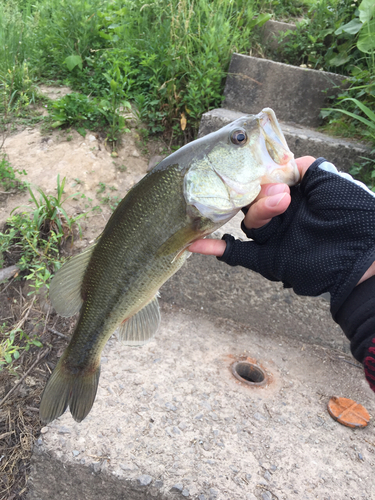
x=356 y=317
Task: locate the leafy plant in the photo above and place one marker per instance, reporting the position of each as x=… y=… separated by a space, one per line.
x=84 y=112
x=67 y=30
x=14 y=342
x=115 y=102
x=111 y=201
x=17 y=85
x=8 y=178
x=365 y=171
x=285 y=9
x=107 y=199
x=369 y=122
x=102 y=188
x=49 y=215
x=35 y=253
x=76 y=110
x=18 y=90
x=331 y=36
x=33 y=238
x=358 y=100
x=362 y=24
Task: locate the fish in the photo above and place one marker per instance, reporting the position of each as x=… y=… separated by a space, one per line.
x=114 y=283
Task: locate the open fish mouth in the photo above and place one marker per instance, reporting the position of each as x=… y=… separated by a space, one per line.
x=270 y=149
x=279 y=160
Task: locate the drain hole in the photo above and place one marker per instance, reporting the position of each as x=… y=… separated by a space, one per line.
x=249 y=373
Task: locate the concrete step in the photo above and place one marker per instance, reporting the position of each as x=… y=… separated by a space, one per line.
x=235 y=293
x=171 y=422
x=270 y=33
x=295 y=94
x=302 y=141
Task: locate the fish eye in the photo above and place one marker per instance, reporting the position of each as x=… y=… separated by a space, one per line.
x=239 y=137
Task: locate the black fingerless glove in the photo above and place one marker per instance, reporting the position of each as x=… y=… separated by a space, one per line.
x=324 y=242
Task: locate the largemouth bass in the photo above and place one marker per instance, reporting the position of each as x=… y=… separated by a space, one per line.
x=114 y=283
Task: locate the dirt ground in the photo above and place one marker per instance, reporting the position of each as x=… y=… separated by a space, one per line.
x=101 y=180
x=88 y=165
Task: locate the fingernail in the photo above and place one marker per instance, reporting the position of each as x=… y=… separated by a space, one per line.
x=273 y=201
x=275 y=189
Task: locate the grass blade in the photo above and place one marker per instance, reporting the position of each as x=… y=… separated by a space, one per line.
x=370 y=114
x=352 y=115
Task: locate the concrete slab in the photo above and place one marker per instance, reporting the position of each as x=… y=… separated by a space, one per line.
x=270 y=32
x=295 y=94
x=206 y=284
x=170 y=421
x=301 y=140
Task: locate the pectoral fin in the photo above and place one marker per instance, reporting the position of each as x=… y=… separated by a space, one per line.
x=141 y=327
x=65 y=287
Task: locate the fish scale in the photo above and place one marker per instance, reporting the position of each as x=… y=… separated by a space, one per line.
x=141 y=278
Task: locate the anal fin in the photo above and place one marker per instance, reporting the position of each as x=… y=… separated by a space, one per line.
x=141 y=327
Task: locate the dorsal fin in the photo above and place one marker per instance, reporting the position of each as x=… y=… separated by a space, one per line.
x=141 y=327
x=65 y=287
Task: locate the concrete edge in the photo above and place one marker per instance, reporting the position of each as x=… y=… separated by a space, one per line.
x=301 y=140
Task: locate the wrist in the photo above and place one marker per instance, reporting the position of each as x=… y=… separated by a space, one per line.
x=370 y=272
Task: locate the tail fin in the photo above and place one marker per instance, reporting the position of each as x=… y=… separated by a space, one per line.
x=76 y=389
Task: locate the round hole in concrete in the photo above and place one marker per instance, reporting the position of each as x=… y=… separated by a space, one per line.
x=249 y=373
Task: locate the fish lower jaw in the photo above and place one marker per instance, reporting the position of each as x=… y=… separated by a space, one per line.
x=216 y=215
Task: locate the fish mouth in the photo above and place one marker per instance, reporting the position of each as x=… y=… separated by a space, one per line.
x=281 y=165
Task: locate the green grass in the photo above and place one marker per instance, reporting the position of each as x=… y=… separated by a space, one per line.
x=287 y=10
x=8 y=178
x=17 y=45
x=169 y=57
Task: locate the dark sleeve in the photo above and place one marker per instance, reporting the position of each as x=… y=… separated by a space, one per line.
x=356 y=317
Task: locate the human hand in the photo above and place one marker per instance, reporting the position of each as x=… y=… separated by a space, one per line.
x=316 y=237
x=272 y=200
x=321 y=237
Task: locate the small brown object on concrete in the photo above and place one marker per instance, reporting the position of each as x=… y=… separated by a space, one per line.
x=348 y=412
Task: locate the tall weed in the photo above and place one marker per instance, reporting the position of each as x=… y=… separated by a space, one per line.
x=67 y=29
x=175 y=54
x=168 y=56
x=17 y=43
